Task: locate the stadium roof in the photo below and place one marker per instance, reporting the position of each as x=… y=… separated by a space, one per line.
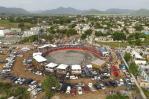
x=47 y=45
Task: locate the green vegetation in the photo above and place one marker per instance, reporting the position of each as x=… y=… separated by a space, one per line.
x=7 y=23
x=127 y=57
x=34 y=38
x=146 y=92
x=114 y=44
x=86 y=34
x=133 y=68
x=117 y=96
x=119 y=36
x=135 y=39
x=29 y=39
x=48 y=84
x=7 y=90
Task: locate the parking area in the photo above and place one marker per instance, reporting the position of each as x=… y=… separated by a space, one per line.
x=109 y=78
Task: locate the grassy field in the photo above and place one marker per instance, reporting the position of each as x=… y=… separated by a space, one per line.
x=7 y=24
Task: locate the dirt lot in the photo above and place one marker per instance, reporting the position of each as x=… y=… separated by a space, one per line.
x=101 y=94
x=19 y=68
x=3 y=56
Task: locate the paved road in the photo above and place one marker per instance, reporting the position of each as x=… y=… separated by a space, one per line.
x=140 y=89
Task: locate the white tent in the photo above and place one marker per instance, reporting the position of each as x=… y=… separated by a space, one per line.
x=89 y=66
x=38 y=53
x=62 y=66
x=75 y=67
x=47 y=45
x=25 y=49
x=52 y=45
x=44 y=46
x=137 y=55
x=51 y=65
x=39 y=58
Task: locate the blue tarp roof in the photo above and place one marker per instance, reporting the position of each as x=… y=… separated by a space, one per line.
x=103 y=49
x=146 y=32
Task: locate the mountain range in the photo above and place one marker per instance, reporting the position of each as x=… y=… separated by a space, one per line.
x=73 y=11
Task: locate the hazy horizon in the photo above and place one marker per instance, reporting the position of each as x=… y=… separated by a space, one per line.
x=35 y=5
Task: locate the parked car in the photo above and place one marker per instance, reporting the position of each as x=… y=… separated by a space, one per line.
x=73 y=91
x=97 y=86
x=79 y=89
x=68 y=89
x=86 y=88
x=90 y=85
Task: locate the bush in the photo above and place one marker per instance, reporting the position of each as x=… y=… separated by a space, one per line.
x=117 y=96
x=127 y=57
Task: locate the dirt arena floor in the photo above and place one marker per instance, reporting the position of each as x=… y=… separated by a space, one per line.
x=71 y=57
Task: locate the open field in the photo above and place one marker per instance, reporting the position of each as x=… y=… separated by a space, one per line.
x=8 y=24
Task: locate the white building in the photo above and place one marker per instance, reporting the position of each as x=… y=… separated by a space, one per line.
x=139 y=60
x=4 y=32
x=104 y=39
x=29 y=33
x=32 y=31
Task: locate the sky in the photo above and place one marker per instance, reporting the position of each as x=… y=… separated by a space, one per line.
x=33 y=5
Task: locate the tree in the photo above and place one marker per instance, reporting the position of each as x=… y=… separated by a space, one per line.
x=71 y=32
x=97 y=34
x=83 y=36
x=21 y=93
x=133 y=68
x=138 y=28
x=119 y=36
x=127 y=57
x=49 y=83
x=88 y=32
x=138 y=42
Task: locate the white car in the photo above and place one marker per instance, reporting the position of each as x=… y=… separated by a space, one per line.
x=34 y=92
x=68 y=90
x=73 y=77
x=90 y=85
x=38 y=73
x=80 y=90
x=102 y=86
x=121 y=82
x=31 y=87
